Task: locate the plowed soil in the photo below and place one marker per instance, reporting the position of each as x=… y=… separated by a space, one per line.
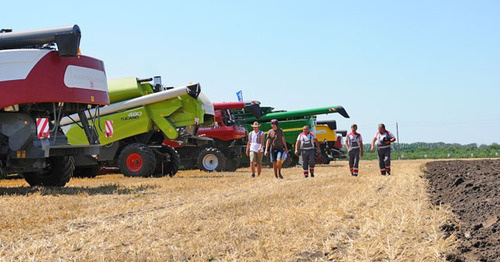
x=472 y=189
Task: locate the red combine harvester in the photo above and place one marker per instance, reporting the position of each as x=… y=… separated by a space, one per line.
x=39 y=85
x=218 y=147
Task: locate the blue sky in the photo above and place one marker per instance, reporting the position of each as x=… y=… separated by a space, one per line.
x=431 y=66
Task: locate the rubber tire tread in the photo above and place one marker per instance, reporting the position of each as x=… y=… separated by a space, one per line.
x=232 y=164
x=214 y=151
x=325 y=159
x=290 y=161
x=175 y=161
x=58 y=176
x=148 y=160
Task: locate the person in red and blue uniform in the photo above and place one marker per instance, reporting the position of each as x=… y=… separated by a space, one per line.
x=383 y=139
x=306 y=141
x=354 y=145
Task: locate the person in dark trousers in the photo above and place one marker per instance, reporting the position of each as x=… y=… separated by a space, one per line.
x=383 y=139
x=276 y=146
x=306 y=140
x=354 y=145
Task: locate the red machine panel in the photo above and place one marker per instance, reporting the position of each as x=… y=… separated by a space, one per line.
x=48 y=77
x=224 y=133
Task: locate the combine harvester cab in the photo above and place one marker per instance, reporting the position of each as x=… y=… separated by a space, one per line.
x=141 y=115
x=39 y=85
x=219 y=146
x=292 y=123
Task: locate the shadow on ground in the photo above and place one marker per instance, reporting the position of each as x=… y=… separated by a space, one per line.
x=100 y=190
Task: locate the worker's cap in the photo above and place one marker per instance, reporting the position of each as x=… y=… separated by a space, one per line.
x=255 y=124
x=274 y=121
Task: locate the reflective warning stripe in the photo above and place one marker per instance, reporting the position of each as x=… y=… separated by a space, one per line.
x=42 y=128
x=109 y=128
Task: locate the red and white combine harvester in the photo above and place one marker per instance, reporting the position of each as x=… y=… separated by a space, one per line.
x=43 y=78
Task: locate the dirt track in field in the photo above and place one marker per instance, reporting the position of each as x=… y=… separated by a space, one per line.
x=472 y=189
x=228 y=217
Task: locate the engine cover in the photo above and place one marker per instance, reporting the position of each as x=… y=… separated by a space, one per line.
x=40 y=76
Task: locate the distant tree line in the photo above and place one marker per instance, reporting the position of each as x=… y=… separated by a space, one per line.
x=421 y=150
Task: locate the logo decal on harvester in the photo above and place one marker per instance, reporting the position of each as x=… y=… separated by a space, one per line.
x=42 y=128
x=133 y=115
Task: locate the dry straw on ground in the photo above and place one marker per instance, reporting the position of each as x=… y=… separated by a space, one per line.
x=227 y=216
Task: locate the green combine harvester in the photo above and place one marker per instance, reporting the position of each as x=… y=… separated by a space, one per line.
x=291 y=122
x=131 y=130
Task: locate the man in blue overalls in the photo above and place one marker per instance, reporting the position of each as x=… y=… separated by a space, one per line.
x=384 y=139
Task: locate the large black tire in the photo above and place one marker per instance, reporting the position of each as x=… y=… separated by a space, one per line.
x=232 y=164
x=168 y=162
x=137 y=160
x=90 y=172
x=323 y=158
x=59 y=171
x=211 y=159
x=290 y=161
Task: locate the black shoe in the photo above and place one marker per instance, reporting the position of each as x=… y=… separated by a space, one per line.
x=382 y=174
x=281 y=177
x=354 y=174
x=306 y=176
x=388 y=173
x=253 y=175
x=312 y=174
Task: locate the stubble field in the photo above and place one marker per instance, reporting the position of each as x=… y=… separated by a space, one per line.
x=229 y=216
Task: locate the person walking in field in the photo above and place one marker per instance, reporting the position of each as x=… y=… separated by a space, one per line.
x=306 y=140
x=383 y=138
x=276 y=147
x=354 y=145
x=254 y=148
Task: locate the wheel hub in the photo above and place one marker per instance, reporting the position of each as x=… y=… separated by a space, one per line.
x=134 y=162
x=210 y=162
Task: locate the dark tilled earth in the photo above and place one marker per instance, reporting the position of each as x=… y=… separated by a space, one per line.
x=472 y=189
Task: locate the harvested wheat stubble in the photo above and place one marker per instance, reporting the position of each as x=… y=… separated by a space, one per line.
x=471 y=188
x=227 y=216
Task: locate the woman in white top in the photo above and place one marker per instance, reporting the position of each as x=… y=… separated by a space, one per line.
x=254 y=148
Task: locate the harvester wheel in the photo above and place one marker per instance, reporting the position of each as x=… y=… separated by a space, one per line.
x=172 y=160
x=58 y=173
x=89 y=172
x=211 y=159
x=137 y=160
x=290 y=161
x=232 y=164
x=322 y=158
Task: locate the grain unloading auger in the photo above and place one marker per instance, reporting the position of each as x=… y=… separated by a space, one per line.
x=43 y=79
x=133 y=127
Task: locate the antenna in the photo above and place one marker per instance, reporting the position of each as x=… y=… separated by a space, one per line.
x=397 y=135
